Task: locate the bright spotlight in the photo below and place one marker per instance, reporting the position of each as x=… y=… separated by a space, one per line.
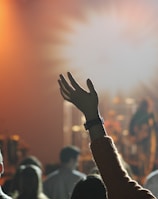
x=116 y=52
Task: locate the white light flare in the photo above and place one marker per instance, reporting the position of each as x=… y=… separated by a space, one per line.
x=114 y=53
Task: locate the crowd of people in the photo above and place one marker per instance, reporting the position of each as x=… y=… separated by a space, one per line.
x=109 y=180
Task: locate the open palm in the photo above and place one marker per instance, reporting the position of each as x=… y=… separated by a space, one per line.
x=87 y=102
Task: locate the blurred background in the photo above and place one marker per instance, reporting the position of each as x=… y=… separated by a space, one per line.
x=115 y=43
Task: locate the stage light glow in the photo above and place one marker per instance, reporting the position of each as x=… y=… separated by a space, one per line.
x=116 y=51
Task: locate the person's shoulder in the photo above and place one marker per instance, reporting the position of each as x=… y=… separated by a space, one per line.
x=153 y=175
x=79 y=174
x=42 y=196
x=5 y=196
x=52 y=175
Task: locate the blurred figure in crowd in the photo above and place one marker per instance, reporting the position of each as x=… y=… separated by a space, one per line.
x=30 y=184
x=143 y=133
x=2 y=194
x=60 y=183
x=10 y=186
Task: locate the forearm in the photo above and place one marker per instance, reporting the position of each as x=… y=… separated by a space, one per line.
x=113 y=173
x=110 y=166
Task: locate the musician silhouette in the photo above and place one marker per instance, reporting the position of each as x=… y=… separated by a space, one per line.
x=142 y=131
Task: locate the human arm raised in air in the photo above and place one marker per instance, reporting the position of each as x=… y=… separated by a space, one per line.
x=116 y=179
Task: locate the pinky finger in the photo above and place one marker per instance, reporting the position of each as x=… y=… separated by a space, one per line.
x=63 y=87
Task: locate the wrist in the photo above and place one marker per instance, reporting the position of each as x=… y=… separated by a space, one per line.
x=93 y=122
x=92 y=116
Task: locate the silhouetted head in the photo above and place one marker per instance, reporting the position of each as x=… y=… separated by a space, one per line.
x=69 y=156
x=26 y=162
x=30 y=179
x=146 y=105
x=90 y=188
x=68 y=153
x=31 y=160
x=143 y=105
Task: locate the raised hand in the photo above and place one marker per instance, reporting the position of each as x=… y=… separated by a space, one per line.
x=87 y=102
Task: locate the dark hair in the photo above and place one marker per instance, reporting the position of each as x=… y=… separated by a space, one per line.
x=68 y=153
x=90 y=188
x=31 y=160
x=29 y=181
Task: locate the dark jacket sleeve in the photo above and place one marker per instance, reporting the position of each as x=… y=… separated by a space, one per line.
x=119 y=185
